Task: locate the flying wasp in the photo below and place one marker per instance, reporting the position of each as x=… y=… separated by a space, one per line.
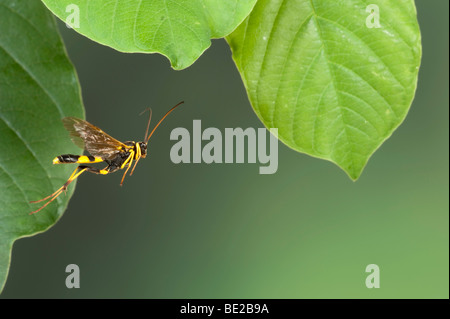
x=103 y=148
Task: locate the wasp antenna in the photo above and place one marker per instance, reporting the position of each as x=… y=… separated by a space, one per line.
x=149 y=120
x=147 y=109
x=168 y=112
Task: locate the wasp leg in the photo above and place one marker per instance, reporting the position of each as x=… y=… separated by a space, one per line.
x=138 y=157
x=77 y=172
x=104 y=171
x=128 y=164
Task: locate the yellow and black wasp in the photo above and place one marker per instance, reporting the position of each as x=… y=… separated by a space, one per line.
x=103 y=148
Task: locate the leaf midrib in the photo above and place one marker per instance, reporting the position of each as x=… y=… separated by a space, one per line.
x=336 y=92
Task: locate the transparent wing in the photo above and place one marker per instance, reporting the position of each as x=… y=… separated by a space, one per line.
x=93 y=139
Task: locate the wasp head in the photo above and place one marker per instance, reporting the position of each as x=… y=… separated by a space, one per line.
x=143 y=147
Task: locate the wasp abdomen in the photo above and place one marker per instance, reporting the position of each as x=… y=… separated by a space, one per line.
x=69 y=158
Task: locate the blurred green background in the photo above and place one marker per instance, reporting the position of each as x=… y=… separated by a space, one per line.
x=223 y=230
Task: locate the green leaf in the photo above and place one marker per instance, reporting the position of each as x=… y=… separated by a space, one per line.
x=38 y=87
x=179 y=29
x=335 y=88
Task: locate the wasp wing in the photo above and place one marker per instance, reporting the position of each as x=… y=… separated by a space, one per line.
x=93 y=139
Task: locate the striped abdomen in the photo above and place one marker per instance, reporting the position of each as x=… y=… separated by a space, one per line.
x=82 y=159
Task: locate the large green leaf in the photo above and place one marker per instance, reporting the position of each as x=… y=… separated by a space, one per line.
x=335 y=88
x=38 y=87
x=178 y=29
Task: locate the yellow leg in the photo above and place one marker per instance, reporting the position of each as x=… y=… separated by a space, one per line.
x=128 y=164
x=53 y=196
x=135 y=163
x=124 y=174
